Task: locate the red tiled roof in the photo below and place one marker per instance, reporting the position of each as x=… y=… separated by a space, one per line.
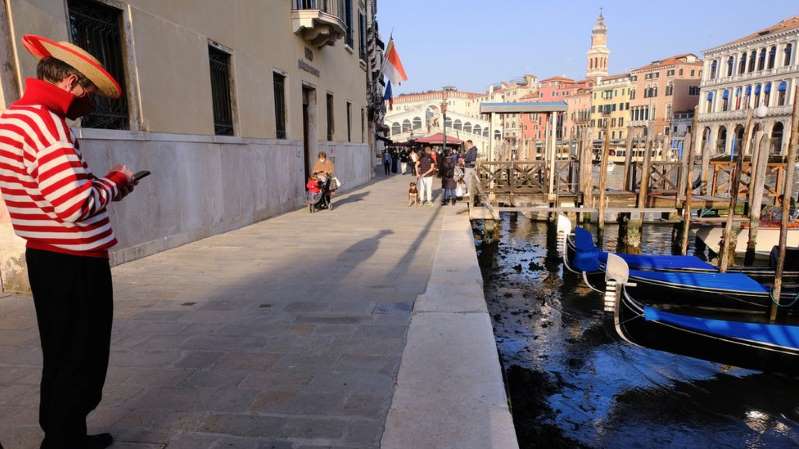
x=671 y=60
x=787 y=24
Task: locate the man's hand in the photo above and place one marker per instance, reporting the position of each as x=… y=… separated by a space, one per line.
x=125 y=188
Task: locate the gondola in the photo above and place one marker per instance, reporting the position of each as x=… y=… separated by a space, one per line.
x=682 y=280
x=582 y=241
x=736 y=338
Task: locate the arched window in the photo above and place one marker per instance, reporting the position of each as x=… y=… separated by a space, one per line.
x=705 y=139
x=477 y=129
x=713 y=68
x=467 y=127
x=497 y=134
x=757 y=95
x=752 y=61
x=417 y=123
x=776 y=138
x=485 y=132
x=738 y=95
x=786 y=58
x=781 y=92
x=458 y=125
x=721 y=140
x=767 y=94
x=709 y=103
x=591 y=63
x=725 y=100
x=730 y=64
x=742 y=63
x=406 y=126
x=747 y=97
x=761 y=60
x=772 y=56
x=738 y=140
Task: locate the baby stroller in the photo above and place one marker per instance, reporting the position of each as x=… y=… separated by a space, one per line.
x=319 y=194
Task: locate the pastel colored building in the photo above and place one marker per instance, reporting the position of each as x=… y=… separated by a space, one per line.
x=610 y=107
x=662 y=89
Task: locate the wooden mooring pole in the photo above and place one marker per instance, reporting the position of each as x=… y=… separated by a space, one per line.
x=790 y=168
x=586 y=175
x=757 y=185
x=685 y=182
x=730 y=235
x=603 y=184
x=628 y=157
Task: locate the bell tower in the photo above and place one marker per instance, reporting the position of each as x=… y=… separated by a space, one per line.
x=597 y=63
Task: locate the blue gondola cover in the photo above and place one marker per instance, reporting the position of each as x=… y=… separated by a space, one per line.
x=785 y=336
x=732 y=282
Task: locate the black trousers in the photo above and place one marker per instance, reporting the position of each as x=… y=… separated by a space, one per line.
x=387 y=167
x=73 y=297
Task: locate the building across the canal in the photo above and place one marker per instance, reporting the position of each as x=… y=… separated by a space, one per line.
x=662 y=89
x=760 y=69
x=420 y=115
x=227 y=103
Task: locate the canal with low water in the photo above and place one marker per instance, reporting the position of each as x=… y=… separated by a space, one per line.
x=574 y=384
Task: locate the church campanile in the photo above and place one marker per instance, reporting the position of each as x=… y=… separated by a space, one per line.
x=597 y=63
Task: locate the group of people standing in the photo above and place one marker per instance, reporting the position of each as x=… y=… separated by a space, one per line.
x=452 y=166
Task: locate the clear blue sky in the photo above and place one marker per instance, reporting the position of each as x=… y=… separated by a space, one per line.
x=473 y=43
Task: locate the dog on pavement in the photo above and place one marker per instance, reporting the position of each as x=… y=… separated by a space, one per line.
x=413 y=195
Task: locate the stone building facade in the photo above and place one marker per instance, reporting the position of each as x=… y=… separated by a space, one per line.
x=610 y=107
x=662 y=89
x=419 y=115
x=226 y=103
x=760 y=69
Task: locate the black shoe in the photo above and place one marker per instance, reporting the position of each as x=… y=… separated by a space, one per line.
x=99 y=441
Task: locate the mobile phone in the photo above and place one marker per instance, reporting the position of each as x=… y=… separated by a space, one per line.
x=139 y=175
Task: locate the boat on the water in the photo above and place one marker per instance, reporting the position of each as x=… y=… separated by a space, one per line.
x=767 y=238
x=731 y=337
x=676 y=280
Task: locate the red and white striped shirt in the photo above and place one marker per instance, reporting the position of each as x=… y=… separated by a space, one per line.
x=55 y=203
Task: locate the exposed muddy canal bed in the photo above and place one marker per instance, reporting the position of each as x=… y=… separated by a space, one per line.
x=574 y=383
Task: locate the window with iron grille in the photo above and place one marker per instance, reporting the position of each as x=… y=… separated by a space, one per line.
x=348 y=22
x=330 y=122
x=220 y=91
x=279 y=82
x=97 y=28
x=349 y=122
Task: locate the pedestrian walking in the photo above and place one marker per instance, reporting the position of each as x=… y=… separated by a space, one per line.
x=427 y=171
x=404 y=161
x=448 y=183
x=469 y=160
x=387 y=162
x=60 y=210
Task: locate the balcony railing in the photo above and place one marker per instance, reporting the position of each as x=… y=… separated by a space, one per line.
x=318 y=22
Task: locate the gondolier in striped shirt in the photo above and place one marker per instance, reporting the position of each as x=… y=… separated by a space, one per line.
x=59 y=207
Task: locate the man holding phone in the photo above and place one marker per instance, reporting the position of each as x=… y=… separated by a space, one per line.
x=59 y=207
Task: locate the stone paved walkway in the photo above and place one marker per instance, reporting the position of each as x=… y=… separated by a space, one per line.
x=284 y=334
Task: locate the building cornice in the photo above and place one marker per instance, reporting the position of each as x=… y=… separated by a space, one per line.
x=756 y=40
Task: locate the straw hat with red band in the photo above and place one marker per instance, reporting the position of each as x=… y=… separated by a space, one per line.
x=78 y=58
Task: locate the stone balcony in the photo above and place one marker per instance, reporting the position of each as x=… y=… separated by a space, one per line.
x=756 y=76
x=774 y=111
x=318 y=22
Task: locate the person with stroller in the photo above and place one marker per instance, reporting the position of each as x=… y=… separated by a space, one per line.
x=324 y=170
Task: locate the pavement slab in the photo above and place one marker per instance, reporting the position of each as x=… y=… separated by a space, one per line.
x=285 y=334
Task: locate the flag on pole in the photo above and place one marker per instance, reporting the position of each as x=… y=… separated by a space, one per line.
x=392 y=66
x=388 y=96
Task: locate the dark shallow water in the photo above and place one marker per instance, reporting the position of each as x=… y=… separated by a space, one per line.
x=573 y=383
